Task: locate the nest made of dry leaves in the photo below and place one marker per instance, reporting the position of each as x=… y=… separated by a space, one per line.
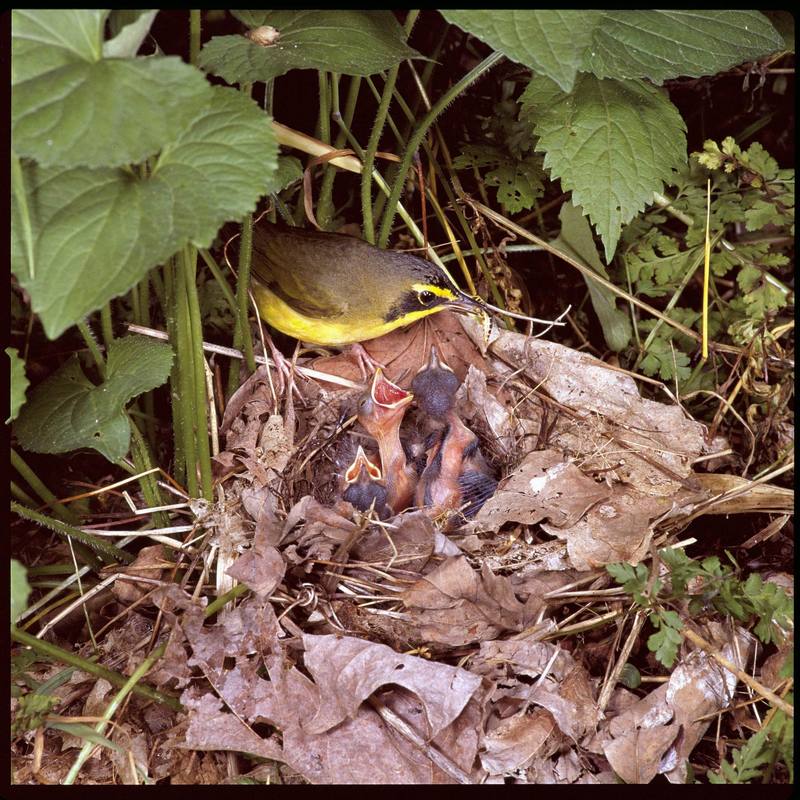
x=394 y=652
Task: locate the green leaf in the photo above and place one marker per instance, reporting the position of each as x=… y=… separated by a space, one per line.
x=43 y=41
x=519 y=182
x=132 y=27
x=348 y=42
x=105 y=113
x=98 y=232
x=84 y=731
x=289 y=170
x=612 y=143
x=67 y=411
x=19 y=382
x=20 y=589
x=576 y=240
x=552 y=43
x=660 y=45
x=666 y=361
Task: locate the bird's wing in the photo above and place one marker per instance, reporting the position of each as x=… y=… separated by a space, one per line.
x=286 y=267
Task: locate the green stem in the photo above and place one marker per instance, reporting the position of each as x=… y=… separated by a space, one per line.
x=94 y=348
x=184 y=367
x=324 y=209
x=106 y=326
x=194 y=36
x=223 y=599
x=21 y=197
x=369 y=154
x=220 y=278
x=46 y=496
x=419 y=134
x=114 y=678
x=197 y=378
x=245 y=343
x=107 y=552
x=21 y=495
x=140 y=454
x=169 y=305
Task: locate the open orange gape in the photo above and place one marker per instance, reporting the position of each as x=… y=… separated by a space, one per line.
x=450 y=478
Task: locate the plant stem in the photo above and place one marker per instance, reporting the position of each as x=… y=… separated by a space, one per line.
x=324 y=123
x=47 y=497
x=140 y=454
x=107 y=552
x=220 y=278
x=194 y=35
x=106 y=327
x=94 y=348
x=114 y=678
x=419 y=134
x=197 y=379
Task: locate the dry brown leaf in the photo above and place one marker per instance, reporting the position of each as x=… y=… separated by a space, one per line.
x=698 y=687
x=150 y=563
x=357 y=750
x=409 y=546
x=456 y=605
x=515 y=741
x=750 y=497
x=636 y=757
x=544 y=485
x=347 y=671
x=260 y=568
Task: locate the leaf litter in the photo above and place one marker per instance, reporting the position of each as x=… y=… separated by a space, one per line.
x=407 y=651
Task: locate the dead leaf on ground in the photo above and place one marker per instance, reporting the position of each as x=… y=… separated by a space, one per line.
x=515 y=741
x=455 y=604
x=544 y=485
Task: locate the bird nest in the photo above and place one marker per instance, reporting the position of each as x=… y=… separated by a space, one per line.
x=399 y=649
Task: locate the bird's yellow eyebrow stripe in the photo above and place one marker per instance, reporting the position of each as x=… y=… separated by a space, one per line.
x=439 y=291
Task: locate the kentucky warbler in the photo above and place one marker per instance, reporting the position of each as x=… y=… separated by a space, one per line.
x=332 y=289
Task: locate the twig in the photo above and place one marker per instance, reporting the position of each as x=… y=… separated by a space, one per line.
x=403 y=728
x=698 y=640
x=608 y=687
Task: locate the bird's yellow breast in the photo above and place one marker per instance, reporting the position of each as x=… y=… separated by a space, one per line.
x=351 y=326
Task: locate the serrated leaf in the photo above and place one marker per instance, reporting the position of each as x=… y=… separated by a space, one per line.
x=19 y=382
x=67 y=411
x=660 y=45
x=666 y=361
x=518 y=181
x=761 y=214
x=20 y=589
x=106 y=113
x=132 y=27
x=349 y=42
x=550 y=42
x=576 y=240
x=612 y=143
x=98 y=232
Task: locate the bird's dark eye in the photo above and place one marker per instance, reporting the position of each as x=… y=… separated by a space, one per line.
x=426 y=297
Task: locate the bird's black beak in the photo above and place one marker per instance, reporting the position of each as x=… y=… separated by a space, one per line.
x=468 y=305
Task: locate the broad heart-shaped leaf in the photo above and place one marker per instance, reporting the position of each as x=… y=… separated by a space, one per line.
x=20 y=589
x=612 y=144
x=43 y=41
x=348 y=42
x=576 y=240
x=67 y=411
x=552 y=43
x=19 y=382
x=105 y=113
x=667 y=44
x=97 y=232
